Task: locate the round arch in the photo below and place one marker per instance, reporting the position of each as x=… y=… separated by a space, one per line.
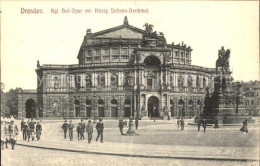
x=153 y=107
x=152 y=60
x=30 y=108
x=181 y=104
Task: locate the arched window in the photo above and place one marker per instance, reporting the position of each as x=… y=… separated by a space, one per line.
x=180 y=83
x=190 y=82
x=152 y=61
x=197 y=82
x=77 y=79
x=114 y=109
x=113 y=81
x=204 y=82
x=101 y=81
x=77 y=107
x=88 y=81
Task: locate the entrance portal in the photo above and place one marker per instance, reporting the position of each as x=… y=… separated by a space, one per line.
x=30 y=108
x=153 y=107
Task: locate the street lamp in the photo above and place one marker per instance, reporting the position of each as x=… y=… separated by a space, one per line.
x=130 y=80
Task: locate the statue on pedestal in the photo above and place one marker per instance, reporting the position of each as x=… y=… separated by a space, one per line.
x=223 y=60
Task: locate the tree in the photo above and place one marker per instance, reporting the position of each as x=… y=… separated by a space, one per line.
x=12 y=101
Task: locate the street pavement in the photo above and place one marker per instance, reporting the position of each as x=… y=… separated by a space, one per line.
x=155 y=140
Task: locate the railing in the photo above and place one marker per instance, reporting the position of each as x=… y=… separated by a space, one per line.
x=182 y=66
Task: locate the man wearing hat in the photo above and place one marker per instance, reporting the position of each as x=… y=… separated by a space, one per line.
x=38 y=131
x=121 y=126
x=23 y=129
x=100 y=129
x=32 y=127
x=64 y=128
x=71 y=126
x=13 y=130
x=89 y=129
x=83 y=127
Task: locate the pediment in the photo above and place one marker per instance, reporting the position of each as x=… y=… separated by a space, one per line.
x=121 y=31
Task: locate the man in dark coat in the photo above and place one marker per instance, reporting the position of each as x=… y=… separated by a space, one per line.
x=136 y=123
x=79 y=131
x=100 y=129
x=199 y=124
x=182 y=124
x=83 y=127
x=38 y=131
x=23 y=129
x=64 y=128
x=204 y=124
x=121 y=126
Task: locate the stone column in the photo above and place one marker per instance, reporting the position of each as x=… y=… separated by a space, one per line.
x=108 y=79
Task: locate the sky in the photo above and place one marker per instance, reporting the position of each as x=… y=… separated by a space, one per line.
x=56 y=38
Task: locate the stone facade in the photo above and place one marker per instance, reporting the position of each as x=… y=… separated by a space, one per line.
x=122 y=69
x=251 y=93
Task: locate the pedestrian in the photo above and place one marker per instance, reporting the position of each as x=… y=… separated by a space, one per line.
x=216 y=126
x=182 y=124
x=125 y=123
x=28 y=132
x=79 y=131
x=23 y=129
x=83 y=126
x=7 y=134
x=2 y=133
x=71 y=126
x=204 y=124
x=100 y=129
x=244 y=128
x=178 y=122
x=136 y=123
x=38 y=131
x=199 y=124
x=89 y=129
x=13 y=130
x=121 y=126
x=32 y=129
x=64 y=128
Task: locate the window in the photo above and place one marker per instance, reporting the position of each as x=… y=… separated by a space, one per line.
x=149 y=83
x=186 y=55
x=252 y=102
x=115 y=51
x=182 y=55
x=88 y=58
x=107 y=51
x=113 y=81
x=88 y=81
x=176 y=53
x=98 y=52
x=124 y=51
x=89 y=52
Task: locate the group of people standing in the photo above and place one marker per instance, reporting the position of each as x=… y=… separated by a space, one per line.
x=31 y=130
x=82 y=128
x=9 y=132
x=123 y=123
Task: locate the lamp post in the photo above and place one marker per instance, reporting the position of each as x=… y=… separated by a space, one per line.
x=154 y=107
x=131 y=130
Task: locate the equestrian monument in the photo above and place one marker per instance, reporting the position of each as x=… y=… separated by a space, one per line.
x=225 y=104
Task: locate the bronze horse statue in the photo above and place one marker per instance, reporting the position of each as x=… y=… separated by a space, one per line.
x=223 y=60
